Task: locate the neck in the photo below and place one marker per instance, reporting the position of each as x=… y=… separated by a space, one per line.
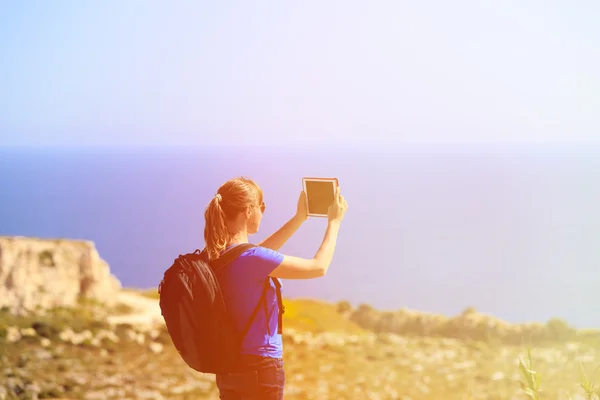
x=239 y=237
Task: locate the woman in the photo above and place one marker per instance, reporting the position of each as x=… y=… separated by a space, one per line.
x=231 y=216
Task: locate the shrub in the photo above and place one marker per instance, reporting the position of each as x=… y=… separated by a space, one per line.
x=47 y=258
x=558 y=329
x=343 y=307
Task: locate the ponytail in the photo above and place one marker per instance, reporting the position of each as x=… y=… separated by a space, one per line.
x=216 y=233
x=231 y=199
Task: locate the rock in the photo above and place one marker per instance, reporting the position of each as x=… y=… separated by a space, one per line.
x=28 y=332
x=181 y=389
x=95 y=396
x=156 y=347
x=498 y=376
x=111 y=393
x=43 y=355
x=76 y=338
x=39 y=274
x=13 y=334
x=33 y=391
x=15 y=386
x=109 y=335
x=51 y=390
x=325 y=368
x=77 y=379
x=134 y=336
x=148 y=394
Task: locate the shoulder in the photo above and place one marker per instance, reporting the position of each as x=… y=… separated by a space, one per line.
x=263 y=261
x=258 y=262
x=260 y=253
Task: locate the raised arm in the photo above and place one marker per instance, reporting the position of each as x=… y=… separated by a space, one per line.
x=302 y=268
x=279 y=238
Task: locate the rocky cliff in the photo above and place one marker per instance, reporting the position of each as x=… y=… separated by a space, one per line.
x=39 y=274
x=470 y=325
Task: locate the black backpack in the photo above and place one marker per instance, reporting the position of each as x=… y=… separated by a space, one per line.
x=195 y=313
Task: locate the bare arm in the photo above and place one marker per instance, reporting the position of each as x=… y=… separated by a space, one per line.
x=302 y=268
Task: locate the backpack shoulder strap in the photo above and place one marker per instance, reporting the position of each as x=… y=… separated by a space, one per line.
x=280 y=302
x=262 y=299
x=230 y=255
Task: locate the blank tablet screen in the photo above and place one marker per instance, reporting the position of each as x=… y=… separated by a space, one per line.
x=320 y=195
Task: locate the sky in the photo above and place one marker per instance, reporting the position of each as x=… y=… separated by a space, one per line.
x=311 y=72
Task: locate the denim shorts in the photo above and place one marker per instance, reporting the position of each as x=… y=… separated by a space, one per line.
x=254 y=378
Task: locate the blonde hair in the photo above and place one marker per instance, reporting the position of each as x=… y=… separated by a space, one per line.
x=232 y=198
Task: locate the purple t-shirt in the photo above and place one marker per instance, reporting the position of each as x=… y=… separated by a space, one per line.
x=242 y=283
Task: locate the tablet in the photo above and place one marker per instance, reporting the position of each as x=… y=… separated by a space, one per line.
x=320 y=194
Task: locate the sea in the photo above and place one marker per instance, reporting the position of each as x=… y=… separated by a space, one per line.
x=512 y=230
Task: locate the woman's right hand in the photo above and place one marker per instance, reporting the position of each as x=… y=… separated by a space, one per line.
x=337 y=210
